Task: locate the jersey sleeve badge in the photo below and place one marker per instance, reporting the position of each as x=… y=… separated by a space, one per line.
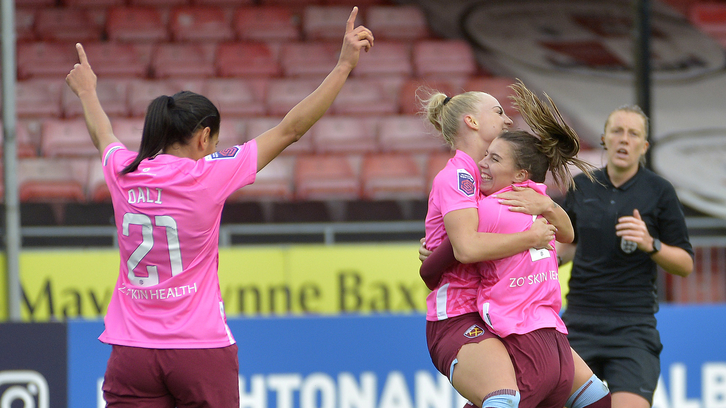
x=465 y=182
x=228 y=153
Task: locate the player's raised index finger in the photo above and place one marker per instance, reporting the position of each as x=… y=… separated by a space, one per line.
x=350 y=24
x=81 y=54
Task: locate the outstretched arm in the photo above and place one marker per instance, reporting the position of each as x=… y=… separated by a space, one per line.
x=304 y=115
x=82 y=81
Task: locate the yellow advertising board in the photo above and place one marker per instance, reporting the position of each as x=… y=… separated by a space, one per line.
x=259 y=280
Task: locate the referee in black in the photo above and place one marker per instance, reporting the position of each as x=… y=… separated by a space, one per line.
x=627 y=222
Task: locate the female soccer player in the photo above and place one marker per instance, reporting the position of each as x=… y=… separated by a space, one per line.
x=166 y=321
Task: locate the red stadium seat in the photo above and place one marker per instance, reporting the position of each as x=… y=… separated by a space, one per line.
x=39 y=97
x=197 y=23
x=116 y=59
x=113 y=94
x=443 y=58
x=266 y=23
x=283 y=94
x=45 y=59
x=364 y=96
x=247 y=59
x=141 y=92
x=273 y=183
x=183 y=60
x=140 y=24
x=326 y=22
x=24 y=24
x=408 y=133
x=709 y=17
x=397 y=22
x=66 y=138
x=96 y=188
x=24 y=144
x=309 y=58
x=224 y=3
x=413 y=87
x=66 y=24
x=232 y=131
x=43 y=180
x=392 y=177
x=344 y=134
x=158 y=3
x=390 y=58
x=128 y=131
x=100 y=4
x=257 y=126
x=34 y=3
x=324 y=177
x=237 y=96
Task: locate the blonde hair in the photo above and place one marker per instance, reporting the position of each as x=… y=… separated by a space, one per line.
x=445 y=112
x=557 y=141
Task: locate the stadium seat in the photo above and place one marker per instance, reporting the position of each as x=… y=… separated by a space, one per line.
x=93 y=4
x=344 y=134
x=435 y=162
x=408 y=133
x=326 y=177
x=257 y=126
x=34 y=3
x=406 y=22
x=309 y=58
x=96 y=188
x=24 y=24
x=38 y=97
x=113 y=94
x=66 y=24
x=232 y=131
x=326 y=22
x=186 y=60
x=413 y=87
x=42 y=180
x=364 y=96
x=283 y=94
x=157 y=3
x=142 y=92
x=443 y=58
x=273 y=183
x=45 y=59
x=128 y=131
x=237 y=96
x=116 y=59
x=197 y=23
x=392 y=177
x=266 y=23
x=66 y=138
x=224 y=3
x=24 y=144
x=136 y=24
x=390 y=58
x=247 y=59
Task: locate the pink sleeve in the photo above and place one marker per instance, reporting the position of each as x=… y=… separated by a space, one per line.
x=230 y=169
x=456 y=190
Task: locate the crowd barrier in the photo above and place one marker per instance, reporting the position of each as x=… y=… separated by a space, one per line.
x=346 y=361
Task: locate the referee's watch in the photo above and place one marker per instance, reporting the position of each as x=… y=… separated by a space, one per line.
x=656 y=246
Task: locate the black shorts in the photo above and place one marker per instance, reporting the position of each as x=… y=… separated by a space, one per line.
x=622 y=350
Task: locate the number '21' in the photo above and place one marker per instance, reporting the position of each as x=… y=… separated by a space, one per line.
x=147 y=244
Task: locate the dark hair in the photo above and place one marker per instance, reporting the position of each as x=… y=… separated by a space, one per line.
x=174 y=119
x=554 y=145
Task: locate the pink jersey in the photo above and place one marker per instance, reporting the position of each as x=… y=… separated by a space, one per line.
x=455 y=187
x=167 y=213
x=521 y=293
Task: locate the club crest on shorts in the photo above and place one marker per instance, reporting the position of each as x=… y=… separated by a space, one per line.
x=474 y=331
x=465 y=182
x=228 y=153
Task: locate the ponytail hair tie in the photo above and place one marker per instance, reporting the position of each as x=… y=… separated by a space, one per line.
x=169 y=102
x=447 y=99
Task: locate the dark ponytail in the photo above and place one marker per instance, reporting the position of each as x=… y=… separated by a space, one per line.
x=174 y=119
x=557 y=142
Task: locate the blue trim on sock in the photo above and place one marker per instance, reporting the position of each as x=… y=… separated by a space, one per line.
x=593 y=390
x=502 y=401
